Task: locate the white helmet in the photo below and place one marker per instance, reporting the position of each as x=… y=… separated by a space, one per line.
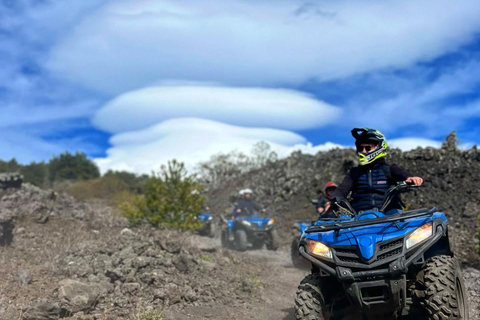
x=245 y=191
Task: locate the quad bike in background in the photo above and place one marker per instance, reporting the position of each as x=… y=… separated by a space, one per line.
x=209 y=224
x=376 y=265
x=298 y=228
x=249 y=231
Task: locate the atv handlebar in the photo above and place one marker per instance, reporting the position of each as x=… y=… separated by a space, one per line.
x=344 y=206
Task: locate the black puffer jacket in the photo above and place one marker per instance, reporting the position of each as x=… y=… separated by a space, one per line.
x=369 y=184
x=247 y=206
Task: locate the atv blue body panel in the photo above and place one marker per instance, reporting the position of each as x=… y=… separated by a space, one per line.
x=253 y=219
x=205 y=217
x=302 y=225
x=367 y=237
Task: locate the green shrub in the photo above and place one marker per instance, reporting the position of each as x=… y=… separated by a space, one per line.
x=251 y=284
x=206 y=258
x=172 y=198
x=150 y=315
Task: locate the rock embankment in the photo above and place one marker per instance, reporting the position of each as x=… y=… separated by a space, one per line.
x=78 y=260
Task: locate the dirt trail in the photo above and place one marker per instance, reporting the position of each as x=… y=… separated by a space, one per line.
x=277 y=282
x=272 y=300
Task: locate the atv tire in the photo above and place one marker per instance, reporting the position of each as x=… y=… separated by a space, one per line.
x=297 y=260
x=241 y=241
x=212 y=230
x=441 y=289
x=309 y=300
x=224 y=239
x=274 y=240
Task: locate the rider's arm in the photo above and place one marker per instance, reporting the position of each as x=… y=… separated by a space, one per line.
x=400 y=174
x=257 y=207
x=344 y=188
x=321 y=203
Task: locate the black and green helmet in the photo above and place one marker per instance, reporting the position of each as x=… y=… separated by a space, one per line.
x=368 y=135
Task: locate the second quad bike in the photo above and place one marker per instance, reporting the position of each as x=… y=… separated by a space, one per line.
x=376 y=265
x=209 y=227
x=250 y=231
x=298 y=228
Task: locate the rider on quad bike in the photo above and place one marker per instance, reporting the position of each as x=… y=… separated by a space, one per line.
x=323 y=202
x=323 y=210
x=373 y=177
x=373 y=260
x=246 y=206
x=247 y=229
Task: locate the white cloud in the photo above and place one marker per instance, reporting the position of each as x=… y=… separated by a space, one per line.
x=430 y=107
x=130 y=44
x=249 y=107
x=192 y=140
x=410 y=143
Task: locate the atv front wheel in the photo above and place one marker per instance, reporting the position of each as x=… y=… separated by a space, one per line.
x=212 y=230
x=309 y=299
x=272 y=244
x=224 y=239
x=241 y=241
x=441 y=290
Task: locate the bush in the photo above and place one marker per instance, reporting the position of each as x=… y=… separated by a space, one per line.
x=150 y=315
x=103 y=188
x=135 y=183
x=172 y=198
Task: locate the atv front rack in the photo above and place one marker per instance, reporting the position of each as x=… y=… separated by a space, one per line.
x=393 y=218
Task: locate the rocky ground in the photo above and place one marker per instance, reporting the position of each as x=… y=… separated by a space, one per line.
x=65 y=269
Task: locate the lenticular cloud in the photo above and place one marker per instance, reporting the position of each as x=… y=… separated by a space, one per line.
x=192 y=140
x=248 y=107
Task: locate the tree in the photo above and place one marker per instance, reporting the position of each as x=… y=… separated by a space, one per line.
x=67 y=166
x=9 y=166
x=172 y=198
x=35 y=173
x=222 y=167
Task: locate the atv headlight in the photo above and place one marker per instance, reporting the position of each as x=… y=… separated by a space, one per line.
x=210 y=218
x=420 y=234
x=270 y=222
x=245 y=222
x=319 y=249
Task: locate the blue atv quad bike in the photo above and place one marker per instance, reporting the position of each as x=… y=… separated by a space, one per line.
x=209 y=227
x=298 y=228
x=252 y=230
x=374 y=265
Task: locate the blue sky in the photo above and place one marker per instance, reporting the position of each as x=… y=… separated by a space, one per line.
x=134 y=83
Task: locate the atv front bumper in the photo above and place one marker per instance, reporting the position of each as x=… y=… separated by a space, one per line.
x=394 y=269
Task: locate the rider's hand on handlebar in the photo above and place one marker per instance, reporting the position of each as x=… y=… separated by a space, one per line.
x=239 y=210
x=414 y=180
x=263 y=210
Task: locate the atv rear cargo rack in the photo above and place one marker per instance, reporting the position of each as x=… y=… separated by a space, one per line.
x=393 y=218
